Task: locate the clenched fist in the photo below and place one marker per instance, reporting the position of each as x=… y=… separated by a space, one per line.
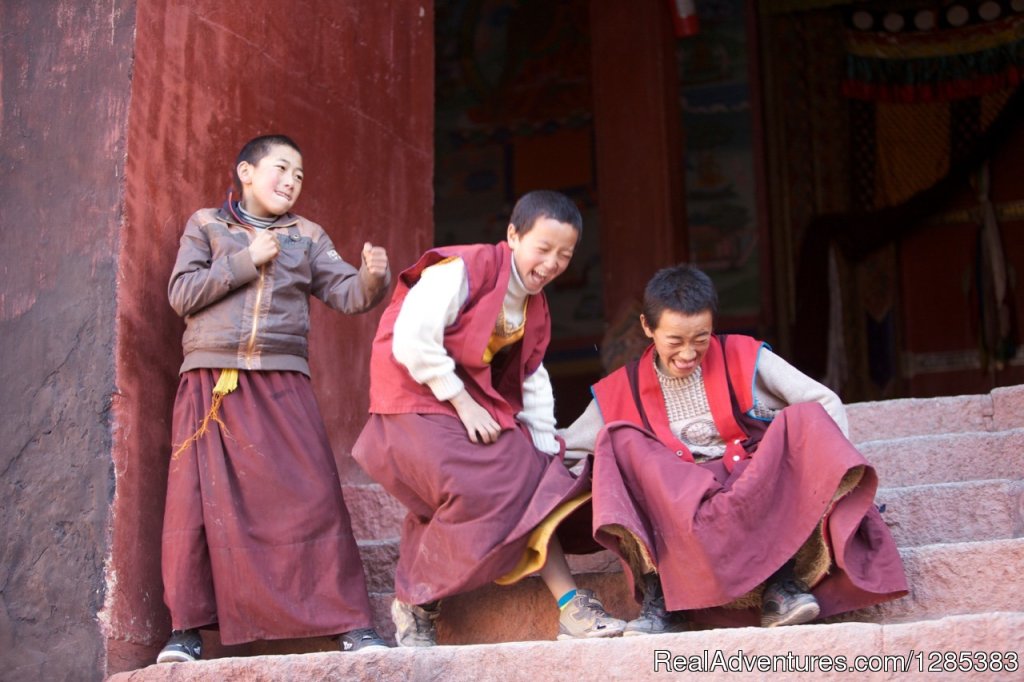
x=375 y=259
x=264 y=248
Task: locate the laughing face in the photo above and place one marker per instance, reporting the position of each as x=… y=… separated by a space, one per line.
x=543 y=253
x=272 y=186
x=680 y=340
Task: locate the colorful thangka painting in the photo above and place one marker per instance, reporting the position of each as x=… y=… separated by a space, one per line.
x=721 y=183
x=513 y=114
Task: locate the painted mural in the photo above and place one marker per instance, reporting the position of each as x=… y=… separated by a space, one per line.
x=721 y=191
x=513 y=113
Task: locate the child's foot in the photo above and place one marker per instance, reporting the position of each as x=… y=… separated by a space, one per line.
x=183 y=646
x=362 y=639
x=414 y=625
x=654 y=619
x=584 y=617
x=788 y=602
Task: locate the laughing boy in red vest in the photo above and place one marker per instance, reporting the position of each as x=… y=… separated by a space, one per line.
x=723 y=478
x=462 y=427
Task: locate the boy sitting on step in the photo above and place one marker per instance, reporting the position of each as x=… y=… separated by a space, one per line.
x=724 y=480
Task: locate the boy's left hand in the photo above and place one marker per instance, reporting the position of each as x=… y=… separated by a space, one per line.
x=375 y=260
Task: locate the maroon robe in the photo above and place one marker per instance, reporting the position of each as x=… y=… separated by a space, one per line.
x=256 y=536
x=715 y=531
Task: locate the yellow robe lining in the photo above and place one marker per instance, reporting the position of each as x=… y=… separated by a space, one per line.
x=536 y=553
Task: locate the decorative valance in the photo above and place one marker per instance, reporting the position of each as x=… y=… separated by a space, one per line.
x=944 y=53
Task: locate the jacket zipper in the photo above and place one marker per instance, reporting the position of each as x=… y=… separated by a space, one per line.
x=250 y=347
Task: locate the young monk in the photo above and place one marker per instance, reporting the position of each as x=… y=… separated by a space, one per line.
x=724 y=479
x=257 y=540
x=462 y=427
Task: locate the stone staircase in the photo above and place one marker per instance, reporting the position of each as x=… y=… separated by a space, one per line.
x=953 y=475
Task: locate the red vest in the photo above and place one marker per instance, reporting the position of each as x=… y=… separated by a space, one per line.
x=615 y=397
x=497 y=386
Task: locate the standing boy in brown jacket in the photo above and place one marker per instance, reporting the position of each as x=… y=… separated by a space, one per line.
x=257 y=540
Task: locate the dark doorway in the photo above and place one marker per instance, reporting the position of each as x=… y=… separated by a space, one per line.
x=514 y=112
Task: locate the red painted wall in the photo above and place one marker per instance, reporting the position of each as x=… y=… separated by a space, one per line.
x=64 y=70
x=352 y=83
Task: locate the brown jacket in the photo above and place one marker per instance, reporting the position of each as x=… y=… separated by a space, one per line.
x=257 y=318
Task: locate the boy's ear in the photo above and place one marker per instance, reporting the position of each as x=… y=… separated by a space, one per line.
x=244 y=170
x=648 y=332
x=512 y=235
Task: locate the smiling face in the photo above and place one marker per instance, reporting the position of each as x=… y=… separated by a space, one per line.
x=680 y=340
x=543 y=253
x=272 y=186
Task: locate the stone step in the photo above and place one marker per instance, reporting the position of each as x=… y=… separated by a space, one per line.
x=953 y=512
x=1001 y=409
x=375 y=514
x=909 y=461
x=918 y=460
x=944 y=579
x=896 y=651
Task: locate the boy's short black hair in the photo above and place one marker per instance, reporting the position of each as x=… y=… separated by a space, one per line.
x=681 y=289
x=544 y=203
x=258 y=147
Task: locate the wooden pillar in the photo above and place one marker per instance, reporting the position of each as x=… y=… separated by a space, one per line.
x=639 y=150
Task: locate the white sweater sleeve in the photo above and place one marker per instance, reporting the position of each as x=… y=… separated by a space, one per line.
x=779 y=384
x=431 y=305
x=581 y=436
x=539 y=410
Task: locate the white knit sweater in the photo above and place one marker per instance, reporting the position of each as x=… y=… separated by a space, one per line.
x=433 y=304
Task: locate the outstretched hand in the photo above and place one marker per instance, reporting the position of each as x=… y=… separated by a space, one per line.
x=479 y=423
x=375 y=260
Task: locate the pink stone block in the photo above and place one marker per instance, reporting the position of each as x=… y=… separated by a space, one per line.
x=953 y=512
x=918 y=416
x=834 y=651
x=375 y=514
x=379 y=560
x=1008 y=408
x=939 y=459
x=931 y=646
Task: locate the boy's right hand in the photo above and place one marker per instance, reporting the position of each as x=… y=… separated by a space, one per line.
x=264 y=248
x=479 y=423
